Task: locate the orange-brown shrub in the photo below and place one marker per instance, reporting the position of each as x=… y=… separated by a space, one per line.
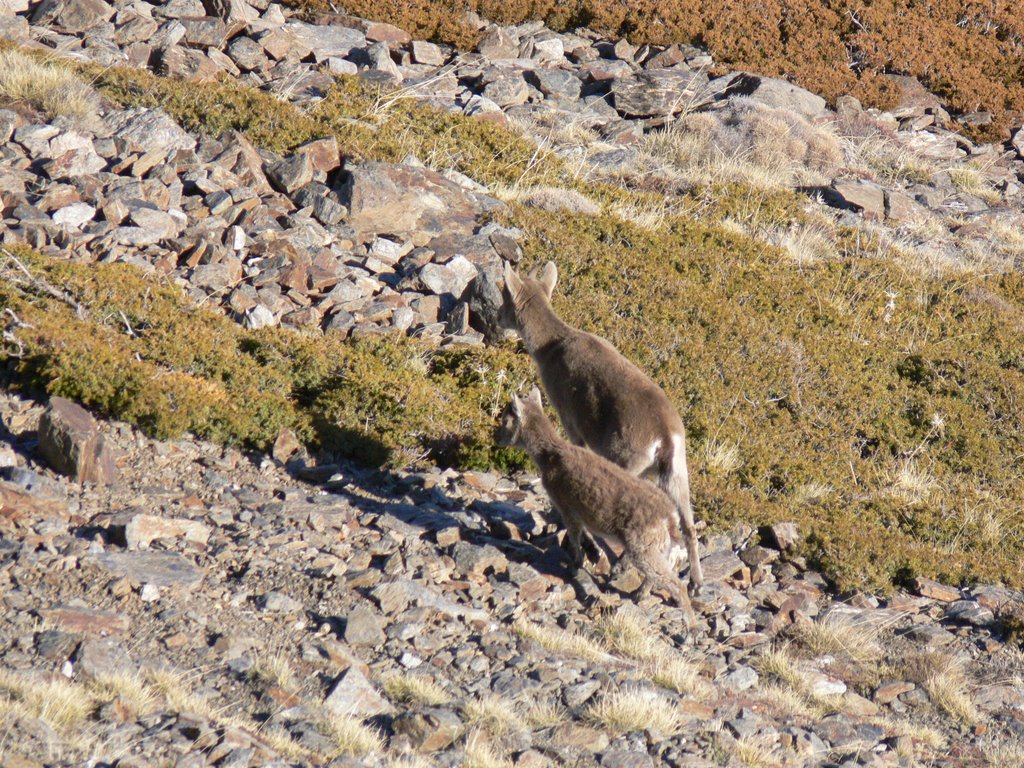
x=970 y=52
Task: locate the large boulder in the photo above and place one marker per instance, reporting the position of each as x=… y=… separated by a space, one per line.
x=658 y=92
x=409 y=203
x=145 y=130
x=72 y=16
x=70 y=442
x=773 y=92
x=483 y=297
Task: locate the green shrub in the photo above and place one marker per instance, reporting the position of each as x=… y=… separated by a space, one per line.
x=186 y=369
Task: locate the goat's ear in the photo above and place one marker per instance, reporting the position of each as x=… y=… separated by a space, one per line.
x=517 y=406
x=534 y=396
x=548 y=277
x=512 y=281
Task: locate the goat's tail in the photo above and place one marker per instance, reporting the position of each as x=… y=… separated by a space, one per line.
x=673 y=478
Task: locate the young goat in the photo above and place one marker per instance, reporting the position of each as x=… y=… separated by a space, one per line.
x=604 y=401
x=590 y=493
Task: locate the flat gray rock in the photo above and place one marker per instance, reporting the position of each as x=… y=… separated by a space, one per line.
x=162 y=569
x=144 y=130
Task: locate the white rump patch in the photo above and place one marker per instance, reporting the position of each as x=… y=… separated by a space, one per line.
x=678 y=454
x=652 y=452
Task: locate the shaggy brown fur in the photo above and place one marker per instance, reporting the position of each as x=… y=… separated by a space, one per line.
x=591 y=493
x=603 y=400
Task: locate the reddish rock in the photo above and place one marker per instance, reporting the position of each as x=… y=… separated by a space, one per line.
x=889 y=692
x=863 y=196
x=323 y=154
x=178 y=61
x=448 y=536
x=410 y=203
x=22 y=509
x=87 y=621
x=785 y=535
x=498 y=44
x=354 y=694
x=72 y=16
x=935 y=590
x=70 y=442
x=747 y=639
x=141 y=530
x=380 y=32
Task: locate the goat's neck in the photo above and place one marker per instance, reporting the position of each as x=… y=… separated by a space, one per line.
x=541 y=440
x=538 y=323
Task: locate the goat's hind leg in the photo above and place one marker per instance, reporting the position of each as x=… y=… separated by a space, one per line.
x=574 y=538
x=658 y=574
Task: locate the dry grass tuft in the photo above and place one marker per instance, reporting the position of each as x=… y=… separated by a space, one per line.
x=841 y=633
x=720 y=458
x=351 y=737
x=551 y=199
x=812 y=493
x=414 y=689
x=140 y=697
x=755 y=751
x=54 y=700
x=678 y=674
x=785 y=701
x=944 y=679
x=409 y=761
x=972 y=180
x=47 y=86
x=805 y=243
x=545 y=714
x=562 y=641
x=624 y=711
x=745 y=142
x=780 y=664
x=629 y=633
x=481 y=754
x=911 y=483
x=1004 y=752
x=178 y=693
x=890 y=162
x=919 y=732
x=494 y=713
x=274 y=669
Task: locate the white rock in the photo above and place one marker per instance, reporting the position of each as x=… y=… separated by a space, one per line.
x=236 y=238
x=386 y=250
x=259 y=317
x=823 y=685
x=337 y=66
x=480 y=105
x=410 y=660
x=74 y=216
x=149 y=593
x=549 y=50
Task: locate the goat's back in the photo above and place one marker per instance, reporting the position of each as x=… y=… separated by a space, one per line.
x=604 y=496
x=603 y=399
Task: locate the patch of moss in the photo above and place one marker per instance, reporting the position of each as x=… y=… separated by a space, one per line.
x=184 y=368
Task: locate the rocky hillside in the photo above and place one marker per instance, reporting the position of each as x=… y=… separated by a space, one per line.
x=265 y=246
x=968 y=52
